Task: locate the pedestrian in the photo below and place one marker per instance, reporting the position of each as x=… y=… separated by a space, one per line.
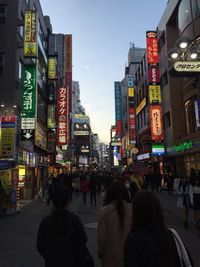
x=114 y=224
x=184 y=198
x=170 y=183
x=51 y=188
x=61 y=239
x=150 y=243
x=84 y=187
x=93 y=188
x=195 y=182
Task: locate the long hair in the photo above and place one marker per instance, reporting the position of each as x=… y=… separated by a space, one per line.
x=147 y=214
x=117 y=192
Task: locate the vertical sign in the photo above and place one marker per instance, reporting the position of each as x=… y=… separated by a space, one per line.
x=29 y=92
x=68 y=66
x=52 y=68
x=62 y=116
x=197 y=112
x=7 y=137
x=156 y=122
x=51 y=116
x=152 y=47
x=118 y=109
x=30 y=34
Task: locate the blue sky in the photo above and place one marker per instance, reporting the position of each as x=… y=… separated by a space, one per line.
x=102 y=31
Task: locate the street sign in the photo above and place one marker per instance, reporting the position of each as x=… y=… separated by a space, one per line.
x=28 y=123
x=27 y=134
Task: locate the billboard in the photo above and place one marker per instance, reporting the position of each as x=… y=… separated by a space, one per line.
x=156 y=122
x=30 y=34
x=8 y=126
x=152 y=47
x=153 y=75
x=118 y=105
x=154 y=94
x=68 y=67
x=52 y=68
x=62 y=116
x=29 y=93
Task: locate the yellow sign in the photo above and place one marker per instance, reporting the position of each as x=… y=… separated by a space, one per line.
x=41 y=136
x=52 y=68
x=7 y=143
x=5 y=177
x=131 y=92
x=30 y=33
x=141 y=105
x=154 y=94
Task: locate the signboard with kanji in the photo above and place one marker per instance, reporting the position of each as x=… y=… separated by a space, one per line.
x=153 y=75
x=154 y=94
x=7 y=137
x=156 y=122
x=29 y=92
x=118 y=104
x=152 y=47
x=30 y=33
x=62 y=116
x=52 y=68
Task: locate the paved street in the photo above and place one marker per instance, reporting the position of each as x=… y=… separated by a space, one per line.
x=18 y=232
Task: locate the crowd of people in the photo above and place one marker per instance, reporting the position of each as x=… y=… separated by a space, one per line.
x=131 y=229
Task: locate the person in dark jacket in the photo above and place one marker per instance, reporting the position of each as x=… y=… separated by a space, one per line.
x=150 y=243
x=61 y=235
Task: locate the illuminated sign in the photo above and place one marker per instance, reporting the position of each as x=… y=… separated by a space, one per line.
x=187 y=66
x=30 y=34
x=143 y=156
x=81 y=133
x=152 y=47
x=153 y=75
x=156 y=122
x=131 y=92
x=62 y=116
x=52 y=68
x=154 y=94
x=51 y=117
x=183 y=146
x=29 y=92
x=141 y=105
x=118 y=105
x=158 y=149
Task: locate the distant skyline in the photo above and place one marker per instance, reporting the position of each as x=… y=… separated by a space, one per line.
x=102 y=32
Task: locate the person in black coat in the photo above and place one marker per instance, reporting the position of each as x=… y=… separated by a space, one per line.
x=61 y=235
x=150 y=243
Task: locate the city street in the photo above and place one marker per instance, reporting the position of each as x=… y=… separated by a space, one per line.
x=18 y=232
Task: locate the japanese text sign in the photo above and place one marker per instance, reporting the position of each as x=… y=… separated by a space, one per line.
x=30 y=34
x=154 y=94
x=154 y=75
x=156 y=122
x=118 y=107
x=152 y=47
x=52 y=68
x=62 y=116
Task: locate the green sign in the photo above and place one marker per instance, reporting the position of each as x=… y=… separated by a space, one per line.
x=183 y=146
x=29 y=91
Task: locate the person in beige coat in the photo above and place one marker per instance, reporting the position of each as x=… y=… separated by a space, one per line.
x=114 y=225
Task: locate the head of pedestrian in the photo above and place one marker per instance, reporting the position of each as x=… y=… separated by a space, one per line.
x=147 y=212
x=60 y=198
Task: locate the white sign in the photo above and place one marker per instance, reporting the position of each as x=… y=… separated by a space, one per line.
x=143 y=156
x=81 y=133
x=187 y=66
x=28 y=123
x=116 y=144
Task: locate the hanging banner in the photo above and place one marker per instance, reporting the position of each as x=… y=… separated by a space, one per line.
x=52 y=68
x=29 y=92
x=156 y=122
x=152 y=47
x=8 y=126
x=62 y=116
x=154 y=94
x=30 y=34
x=154 y=75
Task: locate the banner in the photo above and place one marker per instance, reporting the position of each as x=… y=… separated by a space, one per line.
x=154 y=75
x=51 y=123
x=29 y=92
x=30 y=34
x=8 y=126
x=62 y=116
x=68 y=67
x=118 y=105
x=52 y=68
x=152 y=47
x=156 y=122
x=154 y=94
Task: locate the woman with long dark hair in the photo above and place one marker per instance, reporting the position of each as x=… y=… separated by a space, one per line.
x=150 y=243
x=114 y=224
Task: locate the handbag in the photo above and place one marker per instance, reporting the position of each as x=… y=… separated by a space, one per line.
x=182 y=252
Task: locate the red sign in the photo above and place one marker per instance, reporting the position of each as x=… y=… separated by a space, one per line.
x=132 y=131
x=8 y=119
x=119 y=128
x=62 y=116
x=68 y=85
x=154 y=75
x=156 y=122
x=152 y=47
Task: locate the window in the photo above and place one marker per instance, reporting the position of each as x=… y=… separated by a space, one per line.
x=3 y=13
x=190 y=116
x=2 y=63
x=184 y=15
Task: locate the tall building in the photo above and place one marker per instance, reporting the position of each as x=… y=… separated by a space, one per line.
x=23 y=90
x=181 y=132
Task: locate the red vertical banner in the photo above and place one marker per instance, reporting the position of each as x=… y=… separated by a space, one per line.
x=68 y=66
x=132 y=131
x=156 y=122
x=152 y=47
x=62 y=116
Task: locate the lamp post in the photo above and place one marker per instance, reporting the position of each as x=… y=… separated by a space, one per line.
x=185 y=62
